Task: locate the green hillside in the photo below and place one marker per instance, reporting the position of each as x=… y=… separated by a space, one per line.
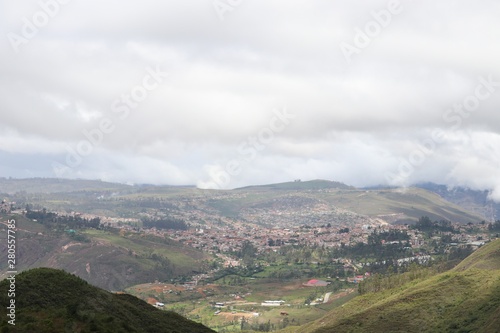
x=464 y=299
x=52 y=301
x=52 y=185
x=401 y=205
x=109 y=259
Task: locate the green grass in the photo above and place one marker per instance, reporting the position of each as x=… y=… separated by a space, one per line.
x=412 y=203
x=180 y=256
x=464 y=299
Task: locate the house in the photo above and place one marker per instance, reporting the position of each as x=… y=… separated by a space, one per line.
x=272 y=303
x=356 y=279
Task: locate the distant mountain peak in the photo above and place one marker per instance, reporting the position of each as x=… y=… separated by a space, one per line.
x=299 y=184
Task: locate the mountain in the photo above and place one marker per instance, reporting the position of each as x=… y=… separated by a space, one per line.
x=293 y=203
x=464 y=299
x=472 y=200
x=110 y=259
x=298 y=184
x=322 y=201
x=52 y=185
x=52 y=301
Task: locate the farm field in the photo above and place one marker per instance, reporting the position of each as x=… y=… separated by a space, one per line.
x=223 y=307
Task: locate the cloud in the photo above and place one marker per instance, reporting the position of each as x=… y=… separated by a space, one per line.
x=355 y=122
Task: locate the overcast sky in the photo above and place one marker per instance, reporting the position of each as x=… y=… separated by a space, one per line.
x=229 y=93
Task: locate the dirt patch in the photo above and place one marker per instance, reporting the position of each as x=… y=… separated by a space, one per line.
x=157 y=288
x=151 y=300
x=65 y=247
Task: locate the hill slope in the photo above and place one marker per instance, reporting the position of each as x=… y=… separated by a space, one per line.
x=464 y=299
x=300 y=185
x=300 y=202
x=108 y=259
x=472 y=200
x=53 y=301
x=340 y=203
x=52 y=185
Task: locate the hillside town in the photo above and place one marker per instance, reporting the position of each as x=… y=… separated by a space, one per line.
x=217 y=239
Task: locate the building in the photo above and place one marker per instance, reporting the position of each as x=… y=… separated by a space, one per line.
x=272 y=303
x=316 y=283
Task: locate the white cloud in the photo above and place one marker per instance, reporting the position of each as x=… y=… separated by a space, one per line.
x=353 y=123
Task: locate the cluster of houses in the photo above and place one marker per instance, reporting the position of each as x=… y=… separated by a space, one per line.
x=217 y=239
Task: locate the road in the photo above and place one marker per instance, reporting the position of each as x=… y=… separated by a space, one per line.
x=327 y=298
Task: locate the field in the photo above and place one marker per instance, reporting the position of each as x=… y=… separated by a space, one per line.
x=243 y=302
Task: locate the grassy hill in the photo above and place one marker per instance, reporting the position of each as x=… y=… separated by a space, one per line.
x=108 y=259
x=52 y=301
x=401 y=205
x=52 y=185
x=464 y=299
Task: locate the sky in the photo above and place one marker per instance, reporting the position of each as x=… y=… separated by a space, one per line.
x=229 y=93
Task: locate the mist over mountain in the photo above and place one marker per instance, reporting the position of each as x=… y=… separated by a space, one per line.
x=473 y=200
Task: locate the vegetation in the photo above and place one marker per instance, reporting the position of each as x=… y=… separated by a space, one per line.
x=52 y=220
x=426 y=225
x=494 y=227
x=111 y=258
x=115 y=258
x=464 y=299
x=52 y=301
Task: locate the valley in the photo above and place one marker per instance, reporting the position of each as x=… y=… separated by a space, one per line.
x=261 y=258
